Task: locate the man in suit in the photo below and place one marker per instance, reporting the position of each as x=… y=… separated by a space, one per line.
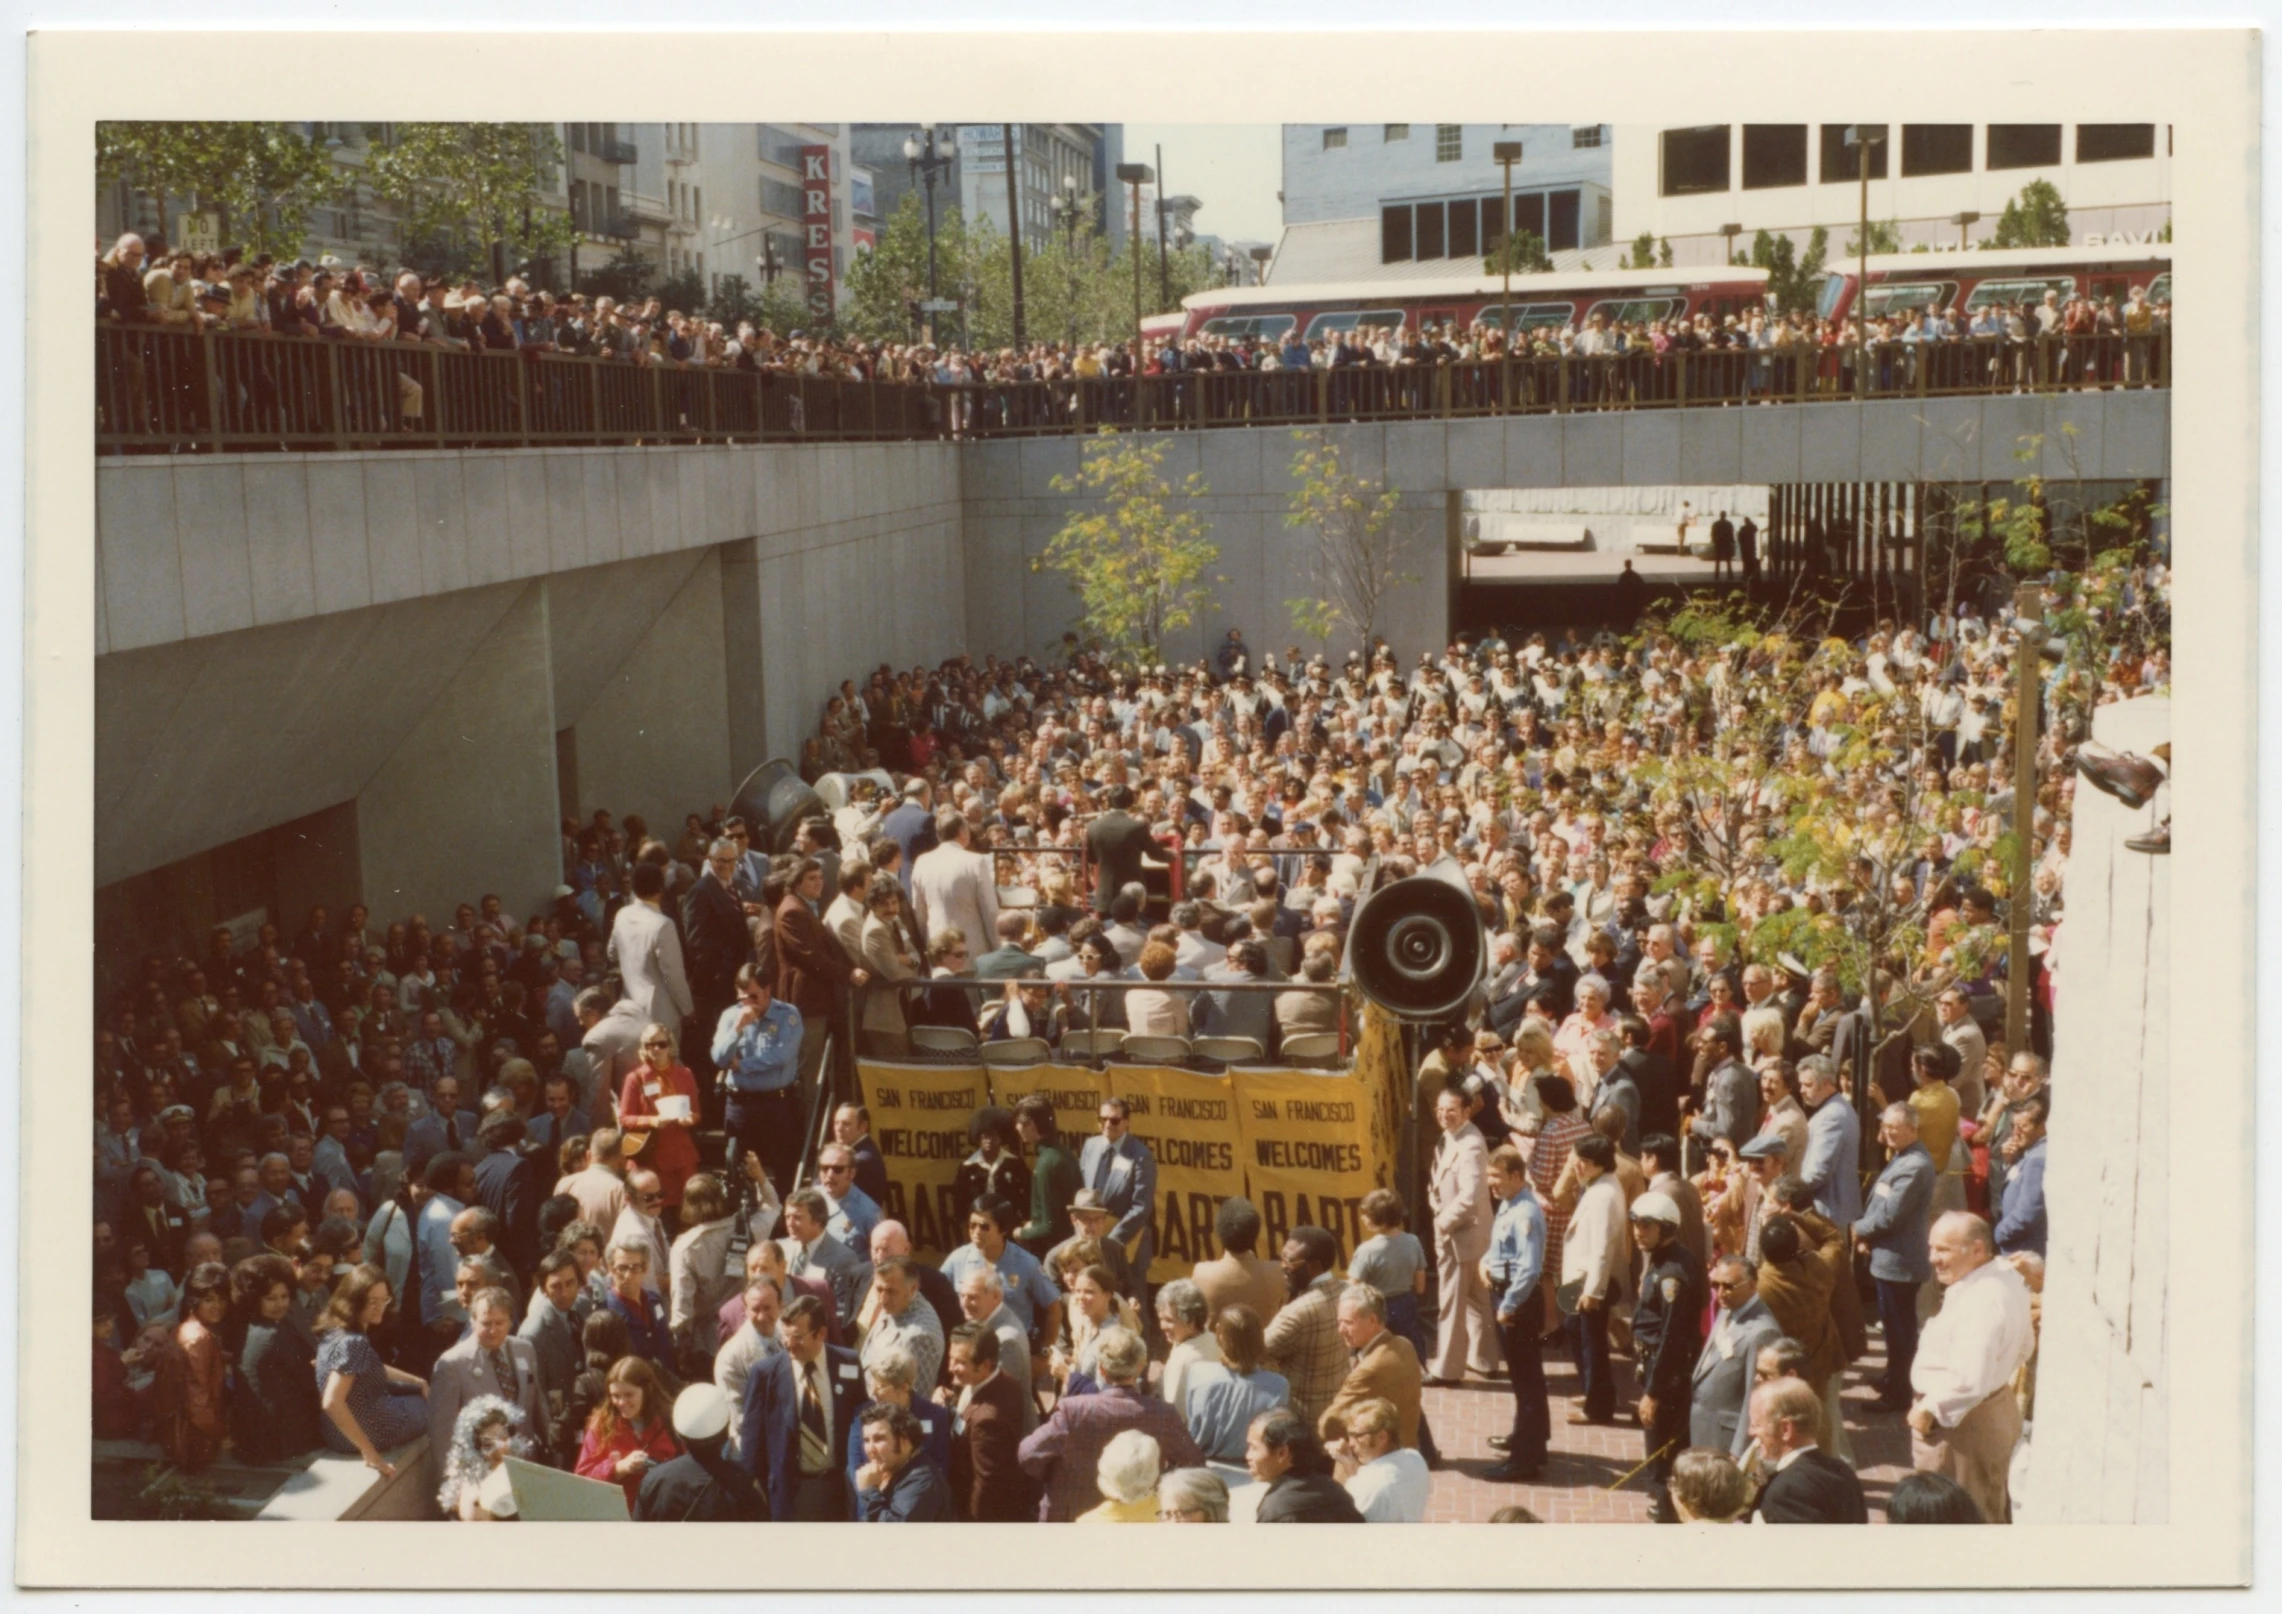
x=809 y=1248
x=1806 y=1485
x=1721 y=1384
x=162 y=1228
x=512 y=1182
x=982 y=1300
x=1064 y=1452
x=954 y=888
x=445 y=1127
x=551 y=1329
x=1240 y=1014
x=1119 y=1167
x=912 y=827
x=992 y=1412
x=1747 y=549
x=1385 y=1367
x=718 y=944
x=488 y=1361
x=1831 y=1163
x=703 y=1485
x=1731 y=1089
x=1116 y=842
x=812 y=974
x=1892 y=1230
x=1458 y=1193
x=799 y=1407
x=647 y=950
x=1009 y=960
x=1650 y=1072
x=1596 y=1254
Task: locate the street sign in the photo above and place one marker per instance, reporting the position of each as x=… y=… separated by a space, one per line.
x=200 y=232
x=939 y=305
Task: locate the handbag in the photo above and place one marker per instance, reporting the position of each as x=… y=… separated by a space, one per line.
x=1569 y=1296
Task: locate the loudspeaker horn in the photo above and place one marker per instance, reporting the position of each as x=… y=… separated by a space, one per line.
x=773 y=801
x=1417 y=947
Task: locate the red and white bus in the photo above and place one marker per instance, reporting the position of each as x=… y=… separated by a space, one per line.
x=1623 y=295
x=1903 y=282
x=1157 y=327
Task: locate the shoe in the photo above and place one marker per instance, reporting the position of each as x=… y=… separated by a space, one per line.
x=1513 y=1473
x=2157 y=841
x=1501 y=1442
x=1886 y=1406
x=1581 y=1416
x=2131 y=780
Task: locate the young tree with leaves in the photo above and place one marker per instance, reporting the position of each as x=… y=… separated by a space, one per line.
x=1138 y=561
x=2036 y=218
x=1523 y=251
x=481 y=183
x=261 y=179
x=1363 y=540
x=1885 y=236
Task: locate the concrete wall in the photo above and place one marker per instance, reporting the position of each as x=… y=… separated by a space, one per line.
x=2100 y=1451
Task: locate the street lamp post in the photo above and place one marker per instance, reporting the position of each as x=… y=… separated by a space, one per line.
x=929 y=155
x=1963 y=221
x=1014 y=231
x=1067 y=208
x=1860 y=137
x=2028 y=613
x=1164 y=270
x=1260 y=257
x=1507 y=153
x=1136 y=175
x=1728 y=233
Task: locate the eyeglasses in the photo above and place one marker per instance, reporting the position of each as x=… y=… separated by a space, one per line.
x=657 y=1042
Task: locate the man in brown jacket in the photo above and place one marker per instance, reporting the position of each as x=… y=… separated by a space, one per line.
x=1385 y=1367
x=812 y=975
x=988 y=1485
x=1240 y=1276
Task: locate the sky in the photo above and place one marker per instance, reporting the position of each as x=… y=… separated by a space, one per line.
x=1235 y=169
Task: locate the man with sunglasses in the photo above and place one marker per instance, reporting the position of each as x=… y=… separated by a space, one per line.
x=1721 y=1386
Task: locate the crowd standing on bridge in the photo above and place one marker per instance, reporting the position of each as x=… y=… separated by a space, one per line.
x=373 y=1180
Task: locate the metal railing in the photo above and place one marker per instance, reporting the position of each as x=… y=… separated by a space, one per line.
x=166 y=389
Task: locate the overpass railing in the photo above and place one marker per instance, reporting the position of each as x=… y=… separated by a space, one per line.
x=166 y=390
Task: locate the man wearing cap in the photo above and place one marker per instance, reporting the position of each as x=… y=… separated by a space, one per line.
x=703 y=1485
x=1090 y=1219
x=1667 y=1336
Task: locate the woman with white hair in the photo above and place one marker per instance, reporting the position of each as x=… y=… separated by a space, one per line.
x=1127 y=1475
x=1192 y=1496
x=489 y=1430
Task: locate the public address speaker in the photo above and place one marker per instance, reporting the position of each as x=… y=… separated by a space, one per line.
x=1416 y=948
x=773 y=801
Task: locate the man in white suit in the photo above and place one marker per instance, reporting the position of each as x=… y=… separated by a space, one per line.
x=953 y=887
x=488 y=1360
x=647 y=950
x=1596 y=1256
x=1459 y=1195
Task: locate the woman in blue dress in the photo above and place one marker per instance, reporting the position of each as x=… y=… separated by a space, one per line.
x=370 y=1407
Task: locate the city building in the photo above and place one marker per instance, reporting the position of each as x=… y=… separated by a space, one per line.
x=974 y=181
x=1393 y=201
x=1946 y=185
x=754 y=218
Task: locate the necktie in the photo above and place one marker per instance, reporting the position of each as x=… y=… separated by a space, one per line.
x=815 y=1437
x=1101 y=1171
x=503 y=1373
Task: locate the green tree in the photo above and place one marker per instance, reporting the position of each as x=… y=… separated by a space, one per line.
x=1361 y=542
x=685 y=292
x=483 y=183
x=1523 y=251
x=1139 y=555
x=733 y=303
x=1664 y=254
x=2035 y=218
x=1885 y=236
x=627 y=276
x=261 y=179
x=1643 y=253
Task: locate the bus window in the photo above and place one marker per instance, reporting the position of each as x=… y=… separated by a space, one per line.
x=1633 y=310
x=1526 y=316
x=1330 y=324
x=2159 y=289
x=2106 y=286
x=1237 y=327
x=2030 y=292
x=1833 y=288
x=1911 y=297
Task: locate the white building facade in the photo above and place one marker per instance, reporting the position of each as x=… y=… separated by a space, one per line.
x=1683 y=184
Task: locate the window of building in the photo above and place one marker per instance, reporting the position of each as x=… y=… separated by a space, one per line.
x=1395 y=132
x=1394 y=235
x=1529 y=214
x=1449 y=142
x=1838 y=159
x=578 y=137
x=1334 y=139
x=2024 y=145
x=1936 y=148
x=1774 y=155
x=1493 y=222
x=1561 y=218
x=2114 y=142
x=780 y=198
x=1695 y=160
x=1465 y=239
x=1584 y=139
x=1429 y=230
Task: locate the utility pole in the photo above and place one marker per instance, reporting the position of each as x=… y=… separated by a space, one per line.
x=1860 y=137
x=2028 y=612
x=1135 y=175
x=1507 y=152
x=1164 y=269
x=1014 y=231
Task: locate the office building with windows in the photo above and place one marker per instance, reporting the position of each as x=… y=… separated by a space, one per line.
x=975 y=181
x=1941 y=184
x=1371 y=201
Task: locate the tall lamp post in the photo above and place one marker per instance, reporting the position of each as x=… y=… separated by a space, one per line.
x=1860 y=137
x=1964 y=221
x=1164 y=276
x=1068 y=208
x=1260 y=257
x=1507 y=153
x=1136 y=175
x=2028 y=613
x=1728 y=233
x=1014 y=230
x=929 y=154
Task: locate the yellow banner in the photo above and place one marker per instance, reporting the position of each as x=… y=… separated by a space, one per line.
x=1074 y=1091
x=1188 y=1120
x=1310 y=1152
x=1385 y=1074
x=919 y=1121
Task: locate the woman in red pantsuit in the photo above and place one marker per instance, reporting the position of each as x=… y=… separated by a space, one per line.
x=671 y=1151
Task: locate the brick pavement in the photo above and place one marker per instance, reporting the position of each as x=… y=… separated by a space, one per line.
x=1586 y=1459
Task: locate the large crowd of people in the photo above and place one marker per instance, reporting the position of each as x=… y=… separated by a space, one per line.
x=533 y=1186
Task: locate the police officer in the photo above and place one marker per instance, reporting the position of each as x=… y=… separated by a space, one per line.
x=1667 y=1336
x=703 y=1485
x=756 y=1044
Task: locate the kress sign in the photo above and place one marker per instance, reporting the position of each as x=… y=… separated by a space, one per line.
x=816 y=229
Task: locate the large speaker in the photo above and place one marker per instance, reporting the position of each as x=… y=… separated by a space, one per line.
x=838 y=789
x=1416 y=948
x=773 y=801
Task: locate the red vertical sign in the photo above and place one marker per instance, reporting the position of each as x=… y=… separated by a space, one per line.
x=816 y=227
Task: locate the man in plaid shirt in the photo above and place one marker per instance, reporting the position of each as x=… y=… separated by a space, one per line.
x=1303 y=1339
x=432 y=1054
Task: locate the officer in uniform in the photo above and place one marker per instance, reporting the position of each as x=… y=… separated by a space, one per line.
x=703 y=1485
x=756 y=1045
x=1667 y=1336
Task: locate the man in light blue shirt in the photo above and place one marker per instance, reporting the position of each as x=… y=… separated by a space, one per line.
x=853 y=1212
x=1510 y=1271
x=450 y=1180
x=1030 y=1292
x=756 y=1046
